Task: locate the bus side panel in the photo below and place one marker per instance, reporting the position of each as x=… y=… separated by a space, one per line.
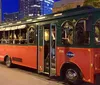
x=2 y=52
x=97 y=60
x=22 y=55
x=41 y=59
x=82 y=58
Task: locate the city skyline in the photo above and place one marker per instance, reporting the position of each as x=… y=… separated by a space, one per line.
x=9 y=7
x=36 y=7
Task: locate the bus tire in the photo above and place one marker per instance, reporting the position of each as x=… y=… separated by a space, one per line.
x=73 y=76
x=8 y=62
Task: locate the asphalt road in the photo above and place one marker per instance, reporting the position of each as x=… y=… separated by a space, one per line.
x=26 y=76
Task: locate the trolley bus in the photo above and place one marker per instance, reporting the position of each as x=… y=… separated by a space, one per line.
x=65 y=44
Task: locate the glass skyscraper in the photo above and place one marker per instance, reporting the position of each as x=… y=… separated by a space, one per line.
x=46 y=6
x=35 y=7
x=29 y=7
x=17 y=9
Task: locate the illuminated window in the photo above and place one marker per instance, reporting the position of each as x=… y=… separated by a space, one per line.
x=32 y=35
x=82 y=35
x=46 y=37
x=67 y=32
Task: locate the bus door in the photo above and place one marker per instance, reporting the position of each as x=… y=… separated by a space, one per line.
x=40 y=49
x=52 y=49
x=46 y=49
x=49 y=49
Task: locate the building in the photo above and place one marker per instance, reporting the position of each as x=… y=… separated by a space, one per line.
x=46 y=6
x=9 y=7
x=12 y=10
x=0 y=11
x=61 y=5
x=9 y=17
x=34 y=8
x=30 y=8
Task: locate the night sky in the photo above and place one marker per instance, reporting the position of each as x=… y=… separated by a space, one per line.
x=56 y=0
x=10 y=6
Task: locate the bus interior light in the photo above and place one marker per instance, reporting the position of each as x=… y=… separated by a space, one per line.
x=59 y=14
x=8 y=28
x=21 y=26
x=18 y=22
x=34 y=21
x=1 y=26
x=14 y=27
x=29 y=20
x=1 y=29
x=10 y=23
x=41 y=17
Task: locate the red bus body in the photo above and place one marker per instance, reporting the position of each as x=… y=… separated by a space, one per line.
x=28 y=54
x=85 y=58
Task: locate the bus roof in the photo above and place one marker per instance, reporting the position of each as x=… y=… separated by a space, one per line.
x=66 y=13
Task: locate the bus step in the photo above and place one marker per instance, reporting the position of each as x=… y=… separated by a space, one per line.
x=53 y=70
x=53 y=65
x=53 y=60
x=46 y=73
x=46 y=69
x=47 y=64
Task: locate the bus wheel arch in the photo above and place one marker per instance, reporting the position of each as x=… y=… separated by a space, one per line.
x=8 y=61
x=71 y=67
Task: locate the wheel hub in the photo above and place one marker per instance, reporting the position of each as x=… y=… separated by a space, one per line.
x=8 y=62
x=71 y=74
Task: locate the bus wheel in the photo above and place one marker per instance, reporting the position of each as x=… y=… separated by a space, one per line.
x=8 y=62
x=73 y=76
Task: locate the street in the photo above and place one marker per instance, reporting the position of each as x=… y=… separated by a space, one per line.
x=19 y=76
x=25 y=76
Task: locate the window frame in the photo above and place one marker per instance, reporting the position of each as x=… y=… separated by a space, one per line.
x=96 y=43
x=62 y=28
x=84 y=31
x=35 y=33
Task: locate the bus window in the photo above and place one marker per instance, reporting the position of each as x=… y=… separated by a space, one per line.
x=23 y=36
x=97 y=32
x=3 y=37
x=32 y=35
x=6 y=36
x=46 y=37
x=53 y=33
x=15 y=36
x=67 y=32
x=10 y=37
x=82 y=36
